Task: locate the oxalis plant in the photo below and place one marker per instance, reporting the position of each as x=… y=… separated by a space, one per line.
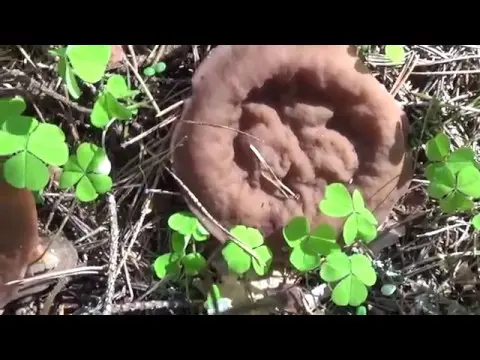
x=88 y=64
x=187 y=236
x=31 y=147
x=348 y=275
x=454 y=176
x=187 y=232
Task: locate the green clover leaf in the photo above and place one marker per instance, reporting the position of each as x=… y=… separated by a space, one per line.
x=185 y=223
x=360 y=222
x=34 y=146
x=240 y=261
x=308 y=246
x=351 y=274
x=88 y=171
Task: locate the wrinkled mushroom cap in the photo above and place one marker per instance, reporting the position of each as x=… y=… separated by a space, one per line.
x=316 y=116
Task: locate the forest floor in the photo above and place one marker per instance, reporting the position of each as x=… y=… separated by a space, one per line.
x=431 y=267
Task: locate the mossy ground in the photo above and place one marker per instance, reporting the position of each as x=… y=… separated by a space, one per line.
x=432 y=263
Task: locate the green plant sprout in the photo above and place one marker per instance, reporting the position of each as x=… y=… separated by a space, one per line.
x=454 y=176
x=309 y=246
x=185 y=227
x=351 y=275
x=88 y=62
x=155 y=69
x=149 y=71
x=110 y=102
x=186 y=224
x=360 y=222
x=396 y=53
x=361 y=310
x=88 y=171
x=238 y=260
x=31 y=145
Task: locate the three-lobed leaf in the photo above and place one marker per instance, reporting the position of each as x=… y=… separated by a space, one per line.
x=88 y=171
x=240 y=261
x=183 y=222
x=360 y=221
x=35 y=146
x=352 y=274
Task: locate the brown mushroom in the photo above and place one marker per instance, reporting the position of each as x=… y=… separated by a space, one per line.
x=315 y=115
x=117 y=57
x=23 y=252
x=19 y=241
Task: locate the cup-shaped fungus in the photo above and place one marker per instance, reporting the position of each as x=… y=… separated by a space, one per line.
x=313 y=114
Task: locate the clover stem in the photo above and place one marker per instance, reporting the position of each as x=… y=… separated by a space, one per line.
x=137 y=105
x=187 y=288
x=365 y=248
